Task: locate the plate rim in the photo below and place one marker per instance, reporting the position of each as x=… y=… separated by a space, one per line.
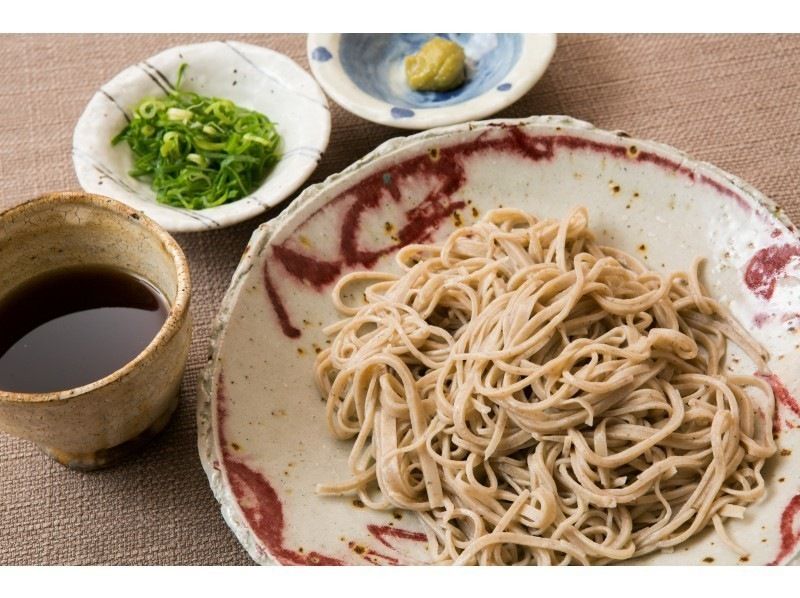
x=208 y=384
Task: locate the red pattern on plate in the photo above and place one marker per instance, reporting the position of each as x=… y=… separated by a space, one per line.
x=790 y=531
x=258 y=502
x=783 y=400
x=767 y=266
x=381 y=532
x=277 y=304
x=446 y=166
x=760 y=319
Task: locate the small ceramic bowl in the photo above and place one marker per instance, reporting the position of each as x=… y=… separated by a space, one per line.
x=93 y=425
x=364 y=74
x=252 y=77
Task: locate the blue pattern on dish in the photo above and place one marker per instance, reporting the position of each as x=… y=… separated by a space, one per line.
x=321 y=54
x=398 y=112
x=504 y=87
x=374 y=62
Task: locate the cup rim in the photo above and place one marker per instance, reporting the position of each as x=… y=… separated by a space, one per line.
x=178 y=309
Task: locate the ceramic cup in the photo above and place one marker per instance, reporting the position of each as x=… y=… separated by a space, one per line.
x=93 y=425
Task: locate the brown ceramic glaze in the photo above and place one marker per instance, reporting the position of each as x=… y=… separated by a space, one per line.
x=92 y=425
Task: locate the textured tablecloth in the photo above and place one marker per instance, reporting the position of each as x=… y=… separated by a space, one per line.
x=730 y=100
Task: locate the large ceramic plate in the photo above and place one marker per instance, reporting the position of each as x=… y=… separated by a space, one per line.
x=262 y=431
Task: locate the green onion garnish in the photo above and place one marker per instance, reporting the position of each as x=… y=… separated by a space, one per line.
x=199 y=152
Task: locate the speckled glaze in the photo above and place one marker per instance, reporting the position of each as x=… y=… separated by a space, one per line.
x=93 y=425
x=251 y=76
x=364 y=73
x=263 y=438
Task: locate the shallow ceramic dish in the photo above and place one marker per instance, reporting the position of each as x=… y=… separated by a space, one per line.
x=251 y=76
x=262 y=433
x=364 y=74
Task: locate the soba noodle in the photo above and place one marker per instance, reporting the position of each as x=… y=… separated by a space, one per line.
x=537 y=398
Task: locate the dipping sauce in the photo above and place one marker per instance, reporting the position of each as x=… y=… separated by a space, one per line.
x=74 y=326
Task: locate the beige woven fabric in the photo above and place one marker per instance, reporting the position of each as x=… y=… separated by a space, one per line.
x=730 y=100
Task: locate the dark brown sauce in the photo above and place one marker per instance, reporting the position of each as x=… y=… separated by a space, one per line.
x=74 y=326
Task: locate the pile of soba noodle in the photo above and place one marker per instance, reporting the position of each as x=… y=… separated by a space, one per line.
x=537 y=398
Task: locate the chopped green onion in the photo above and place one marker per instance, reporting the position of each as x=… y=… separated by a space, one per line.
x=179 y=114
x=201 y=161
x=199 y=152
